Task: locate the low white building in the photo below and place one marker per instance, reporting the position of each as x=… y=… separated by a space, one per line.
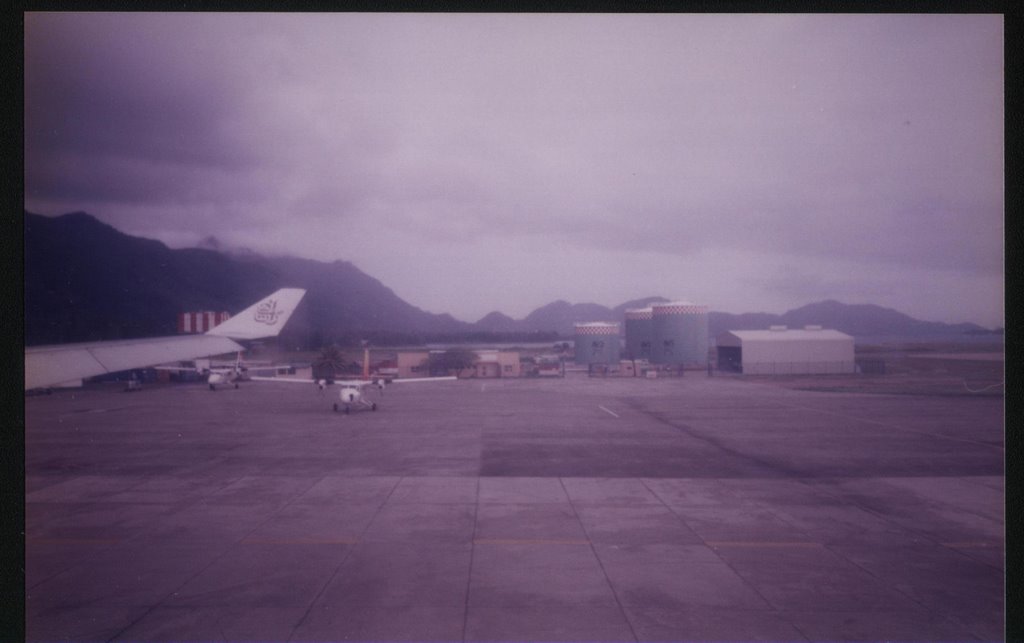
x=489 y=363
x=785 y=351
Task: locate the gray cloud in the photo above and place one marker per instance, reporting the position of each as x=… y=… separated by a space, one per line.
x=871 y=140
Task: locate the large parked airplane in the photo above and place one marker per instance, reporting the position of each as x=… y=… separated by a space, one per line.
x=48 y=366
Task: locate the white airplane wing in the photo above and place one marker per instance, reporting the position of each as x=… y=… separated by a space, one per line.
x=283 y=378
x=53 y=365
x=424 y=379
x=351 y=383
x=178 y=369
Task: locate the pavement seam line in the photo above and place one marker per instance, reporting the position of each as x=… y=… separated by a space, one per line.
x=472 y=556
x=344 y=559
x=174 y=591
x=714 y=551
x=533 y=541
x=716 y=544
x=600 y=563
x=890 y=426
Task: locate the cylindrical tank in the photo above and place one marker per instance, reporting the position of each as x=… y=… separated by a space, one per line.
x=679 y=333
x=638 y=333
x=597 y=343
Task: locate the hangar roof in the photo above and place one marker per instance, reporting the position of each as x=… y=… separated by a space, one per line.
x=790 y=334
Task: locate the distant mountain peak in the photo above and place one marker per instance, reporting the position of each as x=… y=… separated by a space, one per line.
x=214 y=244
x=78 y=217
x=86 y=280
x=495 y=316
x=210 y=243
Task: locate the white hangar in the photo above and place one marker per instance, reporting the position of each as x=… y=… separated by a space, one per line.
x=785 y=351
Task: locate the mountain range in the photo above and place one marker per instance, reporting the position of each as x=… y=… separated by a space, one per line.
x=85 y=280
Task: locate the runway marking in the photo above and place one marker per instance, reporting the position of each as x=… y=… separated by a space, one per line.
x=299 y=541
x=611 y=413
x=970 y=545
x=756 y=544
x=889 y=426
x=74 y=541
x=501 y=541
x=87 y=412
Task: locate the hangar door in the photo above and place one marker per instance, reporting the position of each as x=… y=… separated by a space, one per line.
x=730 y=358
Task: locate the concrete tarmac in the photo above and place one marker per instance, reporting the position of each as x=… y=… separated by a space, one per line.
x=696 y=509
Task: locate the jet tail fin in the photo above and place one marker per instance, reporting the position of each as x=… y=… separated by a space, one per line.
x=265 y=318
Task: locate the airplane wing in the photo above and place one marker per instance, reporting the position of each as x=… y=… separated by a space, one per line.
x=53 y=365
x=178 y=369
x=283 y=378
x=352 y=383
x=424 y=379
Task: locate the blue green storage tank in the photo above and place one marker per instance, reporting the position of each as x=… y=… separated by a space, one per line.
x=597 y=343
x=638 y=333
x=679 y=333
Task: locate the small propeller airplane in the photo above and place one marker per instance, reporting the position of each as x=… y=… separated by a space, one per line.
x=217 y=374
x=353 y=392
x=49 y=366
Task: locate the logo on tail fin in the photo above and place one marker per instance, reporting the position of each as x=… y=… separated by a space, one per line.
x=267 y=312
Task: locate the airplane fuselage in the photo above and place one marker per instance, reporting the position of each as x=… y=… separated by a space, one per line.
x=351 y=393
x=232 y=376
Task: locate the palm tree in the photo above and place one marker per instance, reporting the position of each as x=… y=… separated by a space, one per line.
x=329 y=362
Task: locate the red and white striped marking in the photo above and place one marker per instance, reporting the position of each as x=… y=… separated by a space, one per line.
x=200 y=322
x=680 y=309
x=597 y=329
x=644 y=313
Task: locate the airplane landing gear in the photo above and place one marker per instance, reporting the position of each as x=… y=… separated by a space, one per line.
x=348 y=407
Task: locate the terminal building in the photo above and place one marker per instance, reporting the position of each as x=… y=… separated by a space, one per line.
x=785 y=351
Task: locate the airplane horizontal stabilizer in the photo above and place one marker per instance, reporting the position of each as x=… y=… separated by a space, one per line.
x=265 y=318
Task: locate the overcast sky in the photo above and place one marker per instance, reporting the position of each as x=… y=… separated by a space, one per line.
x=499 y=162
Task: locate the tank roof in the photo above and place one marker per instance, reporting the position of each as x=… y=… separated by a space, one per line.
x=677 y=302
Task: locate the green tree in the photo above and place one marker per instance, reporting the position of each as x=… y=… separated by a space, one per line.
x=329 y=362
x=451 y=361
